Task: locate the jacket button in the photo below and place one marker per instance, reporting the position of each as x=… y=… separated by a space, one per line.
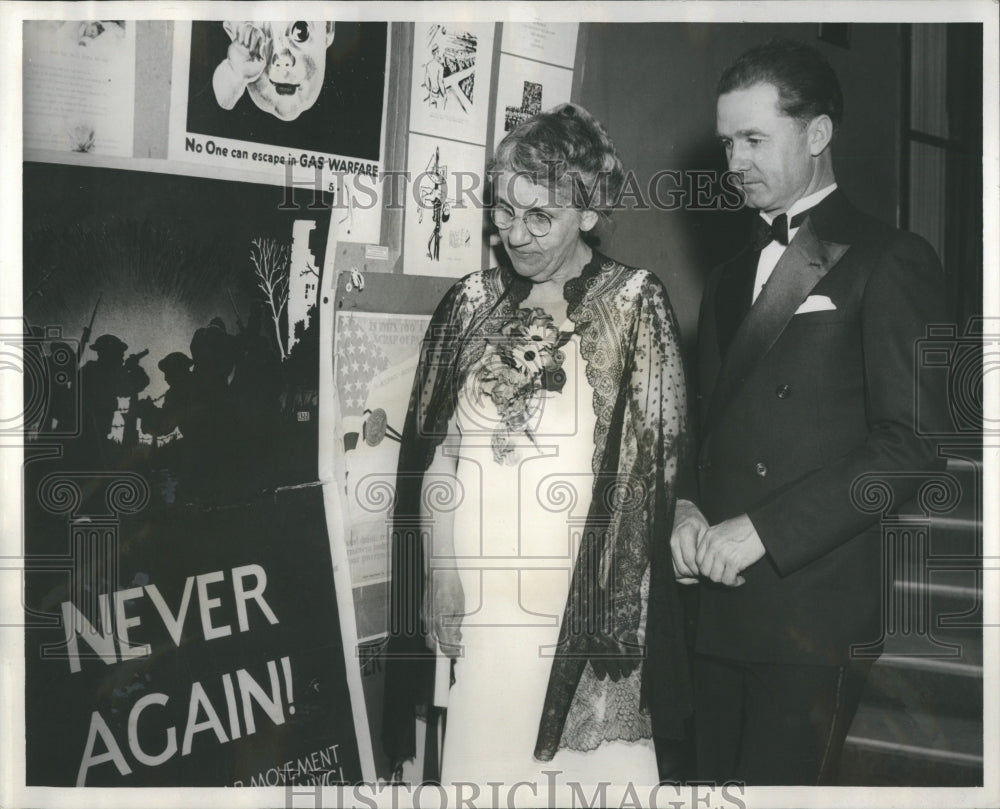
x=761 y=469
x=783 y=391
x=705 y=466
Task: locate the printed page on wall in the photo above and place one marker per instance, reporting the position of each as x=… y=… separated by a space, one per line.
x=290 y=103
x=550 y=42
x=526 y=88
x=79 y=86
x=451 y=79
x=444 y=215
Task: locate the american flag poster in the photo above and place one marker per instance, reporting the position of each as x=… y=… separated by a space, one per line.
x=375 y=357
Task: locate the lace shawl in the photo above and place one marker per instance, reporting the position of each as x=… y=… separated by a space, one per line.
x=629 y=342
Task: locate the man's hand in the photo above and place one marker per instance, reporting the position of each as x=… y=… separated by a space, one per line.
x=689 y=527
x=727 y=549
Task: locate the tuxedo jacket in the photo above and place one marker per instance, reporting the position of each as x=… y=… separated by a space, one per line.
x=802 y=394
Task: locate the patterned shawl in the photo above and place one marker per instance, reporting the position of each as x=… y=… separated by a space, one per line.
x=629 y=342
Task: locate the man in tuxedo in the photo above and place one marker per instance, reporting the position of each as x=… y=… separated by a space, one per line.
x=807 y=382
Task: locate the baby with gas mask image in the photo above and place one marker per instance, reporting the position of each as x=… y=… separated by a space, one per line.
x=281 y=64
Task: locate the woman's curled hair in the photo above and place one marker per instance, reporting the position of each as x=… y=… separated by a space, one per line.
x=566 y=150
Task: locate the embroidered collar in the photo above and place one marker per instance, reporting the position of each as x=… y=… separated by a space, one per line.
x=574 y=290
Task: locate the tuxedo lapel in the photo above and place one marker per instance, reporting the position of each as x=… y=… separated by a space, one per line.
x=801 y=267
x=734 y=295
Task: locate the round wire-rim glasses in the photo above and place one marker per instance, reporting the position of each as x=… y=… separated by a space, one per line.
x=538 y=223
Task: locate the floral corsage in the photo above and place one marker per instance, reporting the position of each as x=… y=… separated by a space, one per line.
x=522 y=362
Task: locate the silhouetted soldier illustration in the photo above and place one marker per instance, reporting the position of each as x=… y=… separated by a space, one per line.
x=213 y=353
x=212 y=441
x=255 y=392
x=177 y=460
x=130 y=431
x=102 y=382
x=178 y=410
x=257 y=381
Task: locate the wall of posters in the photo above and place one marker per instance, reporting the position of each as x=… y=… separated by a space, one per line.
x=79 y=86
x=172 y=326
x=444 y=217
x=451 y=79
x=174 y=320
x=525 y=88
x=291 y=102
x=550 y=42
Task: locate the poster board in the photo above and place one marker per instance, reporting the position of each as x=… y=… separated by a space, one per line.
x=286 y=103
x=388 y=315
x=225 y=93
x=185 y=630
x=220 y=676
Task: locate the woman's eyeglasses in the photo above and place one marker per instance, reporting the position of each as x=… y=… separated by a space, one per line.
x=538 y=223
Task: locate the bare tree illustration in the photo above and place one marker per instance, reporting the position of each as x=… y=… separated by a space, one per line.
x=270 y=261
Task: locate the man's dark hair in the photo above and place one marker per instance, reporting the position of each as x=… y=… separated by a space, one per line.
x=806 y=84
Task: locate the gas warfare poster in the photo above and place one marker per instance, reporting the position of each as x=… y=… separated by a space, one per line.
x=294 y=103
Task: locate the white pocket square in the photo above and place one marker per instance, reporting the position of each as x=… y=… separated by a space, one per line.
x=816 y=303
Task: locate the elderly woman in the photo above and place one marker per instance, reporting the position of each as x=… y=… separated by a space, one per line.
x=535 y=491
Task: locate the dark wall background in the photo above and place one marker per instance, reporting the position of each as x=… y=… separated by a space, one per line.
x=653 y=86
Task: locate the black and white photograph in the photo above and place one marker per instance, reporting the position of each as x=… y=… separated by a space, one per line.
x=526 y=87
x=583 y=407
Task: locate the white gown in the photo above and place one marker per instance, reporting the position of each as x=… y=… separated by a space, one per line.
x=516 y=533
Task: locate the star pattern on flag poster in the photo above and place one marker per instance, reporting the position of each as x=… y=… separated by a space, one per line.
x=359 y=360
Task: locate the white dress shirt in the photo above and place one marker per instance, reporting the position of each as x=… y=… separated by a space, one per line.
x=769 y=255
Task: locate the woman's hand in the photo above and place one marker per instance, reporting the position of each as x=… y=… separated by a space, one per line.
x=443 y=611
x=690 y=527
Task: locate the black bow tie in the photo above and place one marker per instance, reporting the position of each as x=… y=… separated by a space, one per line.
x=763 y=234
